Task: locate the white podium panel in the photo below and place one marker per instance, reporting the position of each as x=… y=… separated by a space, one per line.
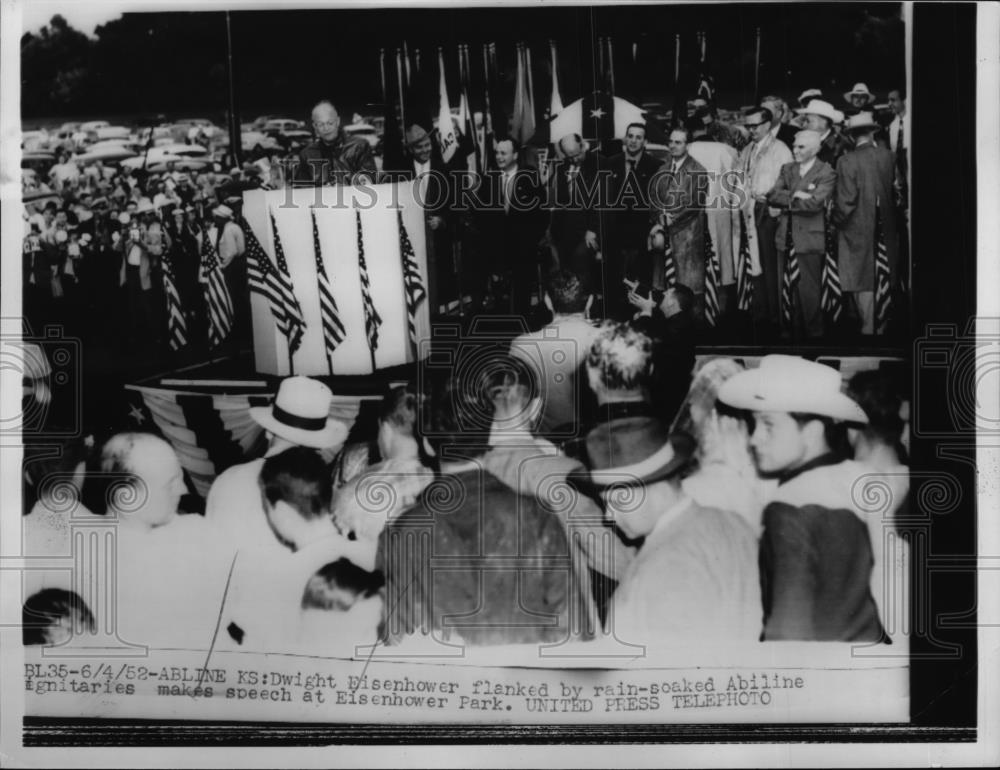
x=336 y=210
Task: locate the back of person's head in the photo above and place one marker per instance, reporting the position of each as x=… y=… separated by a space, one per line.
x=339 y=584
x=399 y=409
x=881 y=399
x=621 y=358
x=54 y=471
x=567 y=291
x=298 y=477
x=683 y=295
x=513 y=387
x=110 y=476
x=49 y=617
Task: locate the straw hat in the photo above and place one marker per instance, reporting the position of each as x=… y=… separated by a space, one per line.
x=301 y=414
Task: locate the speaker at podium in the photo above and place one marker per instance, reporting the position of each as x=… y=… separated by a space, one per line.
x=360 y=229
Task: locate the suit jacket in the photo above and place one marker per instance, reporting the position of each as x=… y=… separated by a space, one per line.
x=864 y=176
x=808 y=233
x=510 y=234
x=627 y=224
x=335 y=163
x=574 y=206
x=833 y=147
x=683 y=195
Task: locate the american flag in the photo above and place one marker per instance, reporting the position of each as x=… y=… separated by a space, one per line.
x=883 y=275
x=412 y=284
x=830 y=295
x=713 y=277
x=275 y=285
x=333 y=328
x=176 y=323
x=372 y=319
x=217 y=299
x=790 y=275
x=669 y=265
x=744 y=275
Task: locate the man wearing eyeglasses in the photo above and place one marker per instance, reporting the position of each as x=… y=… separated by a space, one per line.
x=760 y=163
x=334 y=158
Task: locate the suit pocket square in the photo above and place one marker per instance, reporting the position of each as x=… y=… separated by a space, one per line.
x=812 y=186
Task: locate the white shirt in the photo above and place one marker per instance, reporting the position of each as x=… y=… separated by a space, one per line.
x=234 y=506
x=899 y=120
x=805 y=166
x=507 y=188
x=421 y=173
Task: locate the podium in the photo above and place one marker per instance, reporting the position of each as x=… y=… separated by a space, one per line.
x=381 y=208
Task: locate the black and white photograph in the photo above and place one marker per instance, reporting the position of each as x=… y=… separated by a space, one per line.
x=445 y=383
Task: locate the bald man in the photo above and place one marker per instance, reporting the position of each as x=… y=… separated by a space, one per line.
x=574 y=226
x=799 y=200
x=334 y=158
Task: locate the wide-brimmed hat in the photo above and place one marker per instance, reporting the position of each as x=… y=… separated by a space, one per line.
x=791 y=384
x=824 y=109
x=860 y=89
x=145 y=206
x=222 y=211
x=301 y=414
x=633 y=450
x=863 y=121
x=809 y=93
x=415 y=134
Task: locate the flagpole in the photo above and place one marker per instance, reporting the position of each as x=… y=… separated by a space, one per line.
x=381 y=68
x=402 y=98
x=756 y=71
x=235 y=137
x=611 y=65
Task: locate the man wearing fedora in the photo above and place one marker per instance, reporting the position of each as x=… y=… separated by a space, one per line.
x=299 y=416
x=865 y=190
x=815 y=551
x=858 y=98
x=694 y=580
x=335 y=157
x=799 y=201
x=820 y=116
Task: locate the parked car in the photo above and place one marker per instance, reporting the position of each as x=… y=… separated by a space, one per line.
x=283 y=125
x=113 y=132
x=364 y=131
x=93 y=125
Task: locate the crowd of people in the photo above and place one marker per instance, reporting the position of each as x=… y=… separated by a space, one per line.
x=525 y=495
x=790 y=225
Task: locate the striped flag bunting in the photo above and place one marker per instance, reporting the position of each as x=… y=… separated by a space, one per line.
x=217 y=300
x=713 y=277
x=883 y=276
x=372 y=319
x=790 y=276
x=277 y=287
x=333 y=328
x=744 y=273
x=830 y=294
x=412 y=283
x=669 y=264
x=176 y=323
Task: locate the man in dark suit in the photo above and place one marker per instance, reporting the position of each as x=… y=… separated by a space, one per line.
x=780 y=130
x=511 y=223
x=676 y=204
x=821 y=117
x=626 y=226
x=865 y=181
x=574 y=224
x=799 y=199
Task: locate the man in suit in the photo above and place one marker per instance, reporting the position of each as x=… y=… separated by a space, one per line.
x=574 y=224
x=760 y=165
x=335 y=157
x=821 y=117
x=780 y=129
x=512 y=226
x=864 y=185
x=676 y=203
x=626 y=228
x=799 y=199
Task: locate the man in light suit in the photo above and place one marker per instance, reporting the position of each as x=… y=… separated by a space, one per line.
x=864 y=179
x=677 y=198
x=799 y=199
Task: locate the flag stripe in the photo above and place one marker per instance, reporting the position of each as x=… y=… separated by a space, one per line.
x=744 y=276
x=412 y=284
x=713 y=276
x=790 y=275
x=217 y=299
x=372 y=319
x=333 y=328
x=883 y=285
x=176 y=323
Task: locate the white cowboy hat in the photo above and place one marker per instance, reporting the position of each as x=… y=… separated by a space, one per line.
x=301 y=414
x=809 y=93
x=824 y=109
x=145 y=206
x=791 y=384
x=863 y=121
x=223 y=211
x=860 y=89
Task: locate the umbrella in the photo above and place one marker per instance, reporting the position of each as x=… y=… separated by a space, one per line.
x=570 y=120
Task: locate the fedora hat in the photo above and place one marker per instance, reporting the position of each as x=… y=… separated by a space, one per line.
x=791 y=384
x=223 y=211
x=824 y=109
x=633 y=450
x=860 y=89
x=863 y=121
x=809 y=93
x=301 y=414
x=415 y=134
x=145 y=206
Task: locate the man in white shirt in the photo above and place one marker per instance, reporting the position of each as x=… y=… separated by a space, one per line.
x=298 y=417
x=760 y=163
x=230 y=243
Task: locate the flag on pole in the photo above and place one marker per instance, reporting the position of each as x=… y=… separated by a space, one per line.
x=333 y=328
x=445 y=124
x=217 y=300
x=883 y=275
x=176 y=323
x=372 y=319
x=275 y=284
x=830 y=294
x=523 y=119
x=713 y=277
x=468 y=147
x=669 y=264
x=263 y=279
x=789 y=277
x=555 y=105
x=412 y=284
x=744 y=274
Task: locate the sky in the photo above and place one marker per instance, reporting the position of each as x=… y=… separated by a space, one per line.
x=85 y=17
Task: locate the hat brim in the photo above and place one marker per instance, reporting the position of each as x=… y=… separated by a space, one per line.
x=666 y=462
x=743 y=392
x=849 y=94
x=334 y=433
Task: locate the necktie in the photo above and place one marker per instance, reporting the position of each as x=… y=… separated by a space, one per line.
x=899 y=137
